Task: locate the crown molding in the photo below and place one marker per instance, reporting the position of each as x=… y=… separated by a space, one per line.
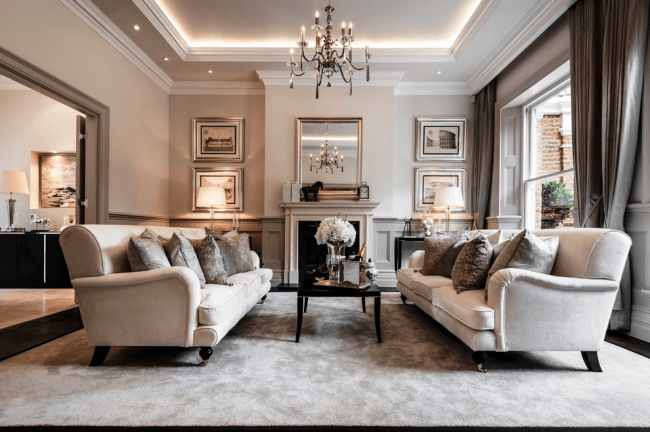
x=253 y=88
x=483 y=11
x=538 y=19
x=377 y=79
x=98 y=21
x=161 y=22
x=408 y=88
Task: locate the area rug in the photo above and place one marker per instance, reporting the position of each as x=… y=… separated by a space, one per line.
x=338 y=374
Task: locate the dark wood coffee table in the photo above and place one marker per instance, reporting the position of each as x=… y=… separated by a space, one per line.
x=307 y=289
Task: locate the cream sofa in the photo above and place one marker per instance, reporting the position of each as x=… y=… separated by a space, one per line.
x=567 y=310
x=161 y=307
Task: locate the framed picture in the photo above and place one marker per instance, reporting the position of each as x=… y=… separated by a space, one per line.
x=218 y=139
x=428 y=180
x=231 y=179
x=441 y=139
x=57 y=180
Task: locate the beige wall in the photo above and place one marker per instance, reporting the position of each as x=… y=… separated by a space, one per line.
x=47 y=34
x=407 y=109
x=31 y=122
x=373 y=104
x=182 y=109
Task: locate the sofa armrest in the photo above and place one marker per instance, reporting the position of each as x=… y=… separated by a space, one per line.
x=256 y=260
x=538 y=312
x=151 y=308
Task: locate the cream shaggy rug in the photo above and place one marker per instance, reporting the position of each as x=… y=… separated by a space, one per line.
x=337 y=375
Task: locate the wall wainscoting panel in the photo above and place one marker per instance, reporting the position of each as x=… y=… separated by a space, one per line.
x=135 y=219
x=637 y=226
x=273 y=247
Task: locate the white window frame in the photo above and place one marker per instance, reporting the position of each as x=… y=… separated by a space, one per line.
x=529 y=153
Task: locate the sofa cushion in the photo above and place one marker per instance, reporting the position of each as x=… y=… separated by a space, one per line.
x=265 y=274
x=241 y=251
x=472 y=265
x=220 y=302
x=421 y=284
x=145 y=252
x=226 y=256
x=181 y=253
x=252 y=280
x=435 y=250
x=468 y=307
x=210 y=259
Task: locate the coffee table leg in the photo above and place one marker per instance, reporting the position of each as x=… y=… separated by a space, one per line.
x=377 y=317
x=300 y=308
x=363 y=304
x=306 y=303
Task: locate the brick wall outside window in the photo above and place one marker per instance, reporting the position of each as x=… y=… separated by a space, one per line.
x=554 y=153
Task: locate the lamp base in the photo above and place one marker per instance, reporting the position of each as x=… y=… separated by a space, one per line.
x=11 y=208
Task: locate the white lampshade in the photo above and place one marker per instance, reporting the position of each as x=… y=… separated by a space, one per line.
x=13 y=182
x=449 y=197
x=211 y=196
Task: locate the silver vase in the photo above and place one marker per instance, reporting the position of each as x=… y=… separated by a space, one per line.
x=335 y=253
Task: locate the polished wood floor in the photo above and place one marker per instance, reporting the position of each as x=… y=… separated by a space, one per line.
x=22 y=305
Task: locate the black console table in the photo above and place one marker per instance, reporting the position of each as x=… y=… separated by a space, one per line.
x=398 y=248
x=32 y=261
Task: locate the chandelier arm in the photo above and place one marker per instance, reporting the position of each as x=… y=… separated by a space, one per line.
x=356 y=68
x=343 y=76
x=299 y=75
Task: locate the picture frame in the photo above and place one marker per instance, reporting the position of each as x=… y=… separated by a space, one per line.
x=427 y=180
x=57 y=182
x=218 y=139
x=440 y=139
x=230 y=178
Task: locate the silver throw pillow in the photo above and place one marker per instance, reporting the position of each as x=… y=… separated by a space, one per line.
x=146 y=252
x=529 y=252
x=241 y=252
x=210 y=259
x=181 y=253
x=472 y=265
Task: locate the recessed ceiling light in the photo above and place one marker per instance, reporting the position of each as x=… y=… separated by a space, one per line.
x=439 y=72
x=166 y=58
x=136 y=27
x=209 y=71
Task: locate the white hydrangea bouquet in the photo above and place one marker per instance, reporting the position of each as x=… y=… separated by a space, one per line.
x=335 y=230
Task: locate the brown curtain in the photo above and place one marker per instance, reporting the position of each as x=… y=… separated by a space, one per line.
x=483 y=152
x=608 y=46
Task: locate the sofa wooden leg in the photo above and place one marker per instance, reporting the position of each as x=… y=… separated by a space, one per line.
x=591 y=361
x=99 y=355
x=263 y=298
x=403 y=297
x=479 y=358
x=205 y=354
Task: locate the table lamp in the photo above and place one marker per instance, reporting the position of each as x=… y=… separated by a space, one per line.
x=449 y=197
x=212 y=196
x=13 y=182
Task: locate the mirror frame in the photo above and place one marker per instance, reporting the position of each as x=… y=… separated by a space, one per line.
x=301 y=120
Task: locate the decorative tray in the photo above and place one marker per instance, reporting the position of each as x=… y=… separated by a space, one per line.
x=334 y=284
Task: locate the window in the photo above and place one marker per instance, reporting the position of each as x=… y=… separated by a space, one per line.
x=548 y=170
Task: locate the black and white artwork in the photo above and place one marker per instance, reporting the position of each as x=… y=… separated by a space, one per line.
x=218 y=139
x=231 y=179
x=440 y=140
x=429 y=180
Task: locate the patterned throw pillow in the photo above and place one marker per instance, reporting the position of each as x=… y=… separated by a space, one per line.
x=228 y=261
x=145 y=252
x=452 y=256
x=435 y=250
x=210 y=259
x=472 y=265
x=181 y=253
x=241 y=252
x=215 y=234
x=527 y=251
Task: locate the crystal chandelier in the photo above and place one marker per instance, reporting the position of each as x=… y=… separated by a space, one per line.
x=327 y=161
x=327 y=61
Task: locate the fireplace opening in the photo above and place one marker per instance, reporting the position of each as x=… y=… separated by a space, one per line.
x=310 y=254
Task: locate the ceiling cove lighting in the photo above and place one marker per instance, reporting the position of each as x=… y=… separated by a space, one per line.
x=327 y=60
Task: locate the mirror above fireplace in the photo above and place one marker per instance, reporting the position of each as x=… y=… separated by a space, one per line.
x=329 y=150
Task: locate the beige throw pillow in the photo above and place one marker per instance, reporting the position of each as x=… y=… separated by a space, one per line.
x=181 y=253
x=240 y=251
x=527 y=251
x=472 y=265
x=210 y=260
x=145 y=252
x=435 y=250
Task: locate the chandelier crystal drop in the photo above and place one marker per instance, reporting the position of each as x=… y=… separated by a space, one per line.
x=327 y=60
x=327 y=161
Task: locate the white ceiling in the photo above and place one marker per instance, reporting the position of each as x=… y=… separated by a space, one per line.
x=418 y=46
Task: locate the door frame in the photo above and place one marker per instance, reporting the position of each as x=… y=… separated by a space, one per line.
x=97 y=126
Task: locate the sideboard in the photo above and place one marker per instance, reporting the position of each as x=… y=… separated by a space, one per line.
x=32 y=260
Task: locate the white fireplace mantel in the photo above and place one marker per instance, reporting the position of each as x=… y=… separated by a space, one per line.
x=294 y=212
